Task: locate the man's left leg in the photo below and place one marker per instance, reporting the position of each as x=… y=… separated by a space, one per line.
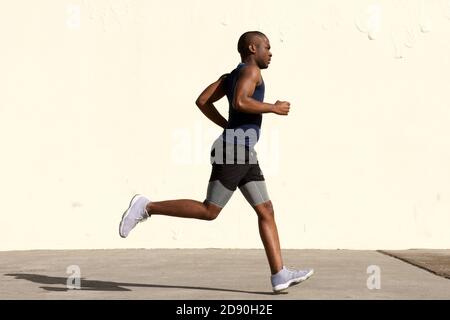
x=254 y=190
x=256 y=194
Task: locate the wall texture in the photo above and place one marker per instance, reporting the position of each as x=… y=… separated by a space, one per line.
x=97 y=103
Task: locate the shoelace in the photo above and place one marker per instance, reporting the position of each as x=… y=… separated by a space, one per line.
x=293 y=271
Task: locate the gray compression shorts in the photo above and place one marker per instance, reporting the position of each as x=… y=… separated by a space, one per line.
x=255 y=192
x=242 y=171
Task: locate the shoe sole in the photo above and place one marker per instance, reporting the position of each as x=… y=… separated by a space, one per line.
x=125 y=214
x=292 y=282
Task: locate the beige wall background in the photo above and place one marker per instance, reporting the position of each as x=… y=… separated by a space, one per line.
x=97 y=103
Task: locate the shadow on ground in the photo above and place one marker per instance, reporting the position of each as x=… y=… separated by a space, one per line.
x=60 y=284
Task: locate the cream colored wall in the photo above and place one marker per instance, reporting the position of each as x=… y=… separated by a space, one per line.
x=97 y=103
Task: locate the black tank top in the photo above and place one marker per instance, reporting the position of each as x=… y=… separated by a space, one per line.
x=241 y=124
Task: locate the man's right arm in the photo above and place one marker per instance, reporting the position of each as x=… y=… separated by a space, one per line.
x=245 y=87
x=211 y=94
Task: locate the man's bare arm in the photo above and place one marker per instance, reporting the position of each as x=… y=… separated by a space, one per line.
x=245 y=88
x=205 y=102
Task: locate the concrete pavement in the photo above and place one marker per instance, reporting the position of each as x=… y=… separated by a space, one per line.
x=204 y=274
x=435 y=261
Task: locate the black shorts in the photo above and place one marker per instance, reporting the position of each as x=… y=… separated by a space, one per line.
x=243 y=169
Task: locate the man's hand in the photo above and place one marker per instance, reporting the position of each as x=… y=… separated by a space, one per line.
x=281 y=108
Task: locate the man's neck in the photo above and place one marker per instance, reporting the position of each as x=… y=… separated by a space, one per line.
x=249 y=60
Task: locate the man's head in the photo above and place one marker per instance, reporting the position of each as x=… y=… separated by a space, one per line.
x=256 y=46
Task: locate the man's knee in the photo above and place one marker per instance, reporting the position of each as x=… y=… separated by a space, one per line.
x=212 y=211
x=265 y=210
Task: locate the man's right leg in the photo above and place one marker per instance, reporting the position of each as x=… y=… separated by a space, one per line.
x=185 y=208
x=141 y=208
x=217 y=197
x=222 y=184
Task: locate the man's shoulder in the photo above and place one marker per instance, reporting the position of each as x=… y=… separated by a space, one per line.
x=251 y=68
x=251 y=71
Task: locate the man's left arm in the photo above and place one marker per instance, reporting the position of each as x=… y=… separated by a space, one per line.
x=211 y=94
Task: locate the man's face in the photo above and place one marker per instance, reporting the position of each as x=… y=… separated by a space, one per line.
x=263 y=54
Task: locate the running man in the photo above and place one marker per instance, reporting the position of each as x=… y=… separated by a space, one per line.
x=233 y=158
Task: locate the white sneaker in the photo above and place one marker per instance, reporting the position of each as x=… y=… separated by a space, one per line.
x=135 y=213
x=289 y=277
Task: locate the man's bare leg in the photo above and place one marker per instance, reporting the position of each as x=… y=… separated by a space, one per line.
x=185 y=208
x=269 y=235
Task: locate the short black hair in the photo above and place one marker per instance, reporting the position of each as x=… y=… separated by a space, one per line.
x=246 y=39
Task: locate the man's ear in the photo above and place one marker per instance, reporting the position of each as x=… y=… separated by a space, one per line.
x=252 y=48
